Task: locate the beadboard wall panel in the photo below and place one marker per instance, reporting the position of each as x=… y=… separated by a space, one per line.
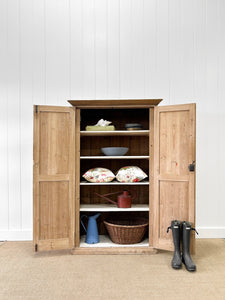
x=76 y=68
x=13 y=73
x=54 y=50
x=113 y=49
x=38 y=28
x=3 y=120
x=26 y=111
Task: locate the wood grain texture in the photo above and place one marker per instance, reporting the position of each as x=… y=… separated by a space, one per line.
x=76 y=200
x=114 y=251
x=53 y=210
x=173 y=143
x=151 y=175
x=115 y=132
x=72 y=175
x=173 y=205
x=54 y=178
x=36 y=134
x=174 y=150
x=59 y=144
x=54 y=244
x=54 y=143
x=111 y=103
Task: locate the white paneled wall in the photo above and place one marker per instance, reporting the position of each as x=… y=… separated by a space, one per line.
x=54 y=50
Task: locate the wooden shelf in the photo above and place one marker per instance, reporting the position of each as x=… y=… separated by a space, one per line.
x=104 y=241
x=115 y=182
x=116 y=157
x=113 y=208
x=115 y=133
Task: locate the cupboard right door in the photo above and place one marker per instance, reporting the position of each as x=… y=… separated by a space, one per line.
x=174 y=179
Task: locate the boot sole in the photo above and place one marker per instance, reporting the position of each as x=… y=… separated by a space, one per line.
x=190 y=270
x=176 y=267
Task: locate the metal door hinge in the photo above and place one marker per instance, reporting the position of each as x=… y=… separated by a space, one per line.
x=191 y=167
x=36 y=247
x=36 y=109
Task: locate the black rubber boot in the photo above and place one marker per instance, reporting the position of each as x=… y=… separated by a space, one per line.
x=186 y=234
x=176 y=262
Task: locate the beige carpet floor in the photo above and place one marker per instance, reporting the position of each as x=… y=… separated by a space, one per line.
x=60 y=275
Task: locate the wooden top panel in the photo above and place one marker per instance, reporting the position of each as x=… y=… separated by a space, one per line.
x=113 y=103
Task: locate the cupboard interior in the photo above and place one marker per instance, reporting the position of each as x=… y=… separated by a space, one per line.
x=113 y=165
x=91 y=146
x=118 y=117
x=88 y=196
x=111 y=215
x=137 y=145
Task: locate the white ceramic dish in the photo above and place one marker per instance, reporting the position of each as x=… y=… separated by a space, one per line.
x=114 y=151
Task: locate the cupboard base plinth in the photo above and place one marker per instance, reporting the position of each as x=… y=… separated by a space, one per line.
x=113 y=251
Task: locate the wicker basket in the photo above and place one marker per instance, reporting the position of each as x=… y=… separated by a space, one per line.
x=126 y=231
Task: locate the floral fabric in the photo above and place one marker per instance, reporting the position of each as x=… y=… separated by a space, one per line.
x=130 y=174
x=99 y=175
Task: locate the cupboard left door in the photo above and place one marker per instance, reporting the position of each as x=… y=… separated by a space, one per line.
x=53 y=178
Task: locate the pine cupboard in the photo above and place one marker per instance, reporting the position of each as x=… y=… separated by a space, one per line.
x=164 y=149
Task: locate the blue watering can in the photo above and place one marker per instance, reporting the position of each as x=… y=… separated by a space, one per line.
x=92 y=229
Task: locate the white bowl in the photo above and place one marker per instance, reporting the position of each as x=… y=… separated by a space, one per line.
x=114 y=151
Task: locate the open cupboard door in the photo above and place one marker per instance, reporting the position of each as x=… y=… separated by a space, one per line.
x=174 y=171
x=54 y=178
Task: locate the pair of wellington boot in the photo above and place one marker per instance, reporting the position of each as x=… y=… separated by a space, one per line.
x=182 y=231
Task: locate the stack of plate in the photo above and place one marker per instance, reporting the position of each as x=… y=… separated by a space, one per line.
x=133 y=126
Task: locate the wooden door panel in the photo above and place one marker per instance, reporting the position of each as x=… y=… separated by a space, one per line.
x=54 y=143
x=173 y=204
x=173 y=143
x=174 y=184
x=54 y=177
x=54 y=210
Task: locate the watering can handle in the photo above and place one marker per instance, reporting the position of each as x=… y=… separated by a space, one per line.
x=110 y=193
x=103 y=196
x=83 y=223
x=133 y=194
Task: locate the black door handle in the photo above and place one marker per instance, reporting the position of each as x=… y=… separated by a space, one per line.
x=191 y=167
